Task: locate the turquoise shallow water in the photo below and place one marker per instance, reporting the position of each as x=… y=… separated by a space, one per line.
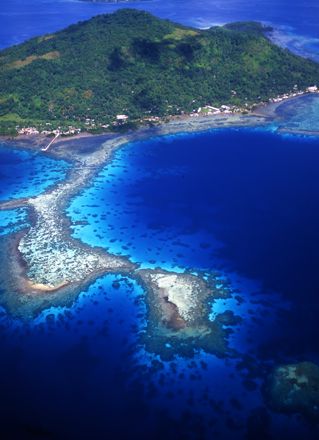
x=301 y=114
x=25 y=173
x=12 y=221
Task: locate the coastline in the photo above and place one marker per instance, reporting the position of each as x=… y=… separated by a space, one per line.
x=176 y=124
x=46 y=267
x=261 y=113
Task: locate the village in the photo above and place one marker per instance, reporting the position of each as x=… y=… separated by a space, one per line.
x=121 y=119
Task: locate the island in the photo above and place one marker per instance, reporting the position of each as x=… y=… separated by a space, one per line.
x=111 y=74
x=117 y=71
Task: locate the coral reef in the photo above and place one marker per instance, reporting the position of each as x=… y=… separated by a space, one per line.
x=294 y=388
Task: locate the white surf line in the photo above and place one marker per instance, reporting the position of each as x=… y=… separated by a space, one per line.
x=50 y=143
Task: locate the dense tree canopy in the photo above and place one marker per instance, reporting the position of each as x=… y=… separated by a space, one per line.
x=134 y=63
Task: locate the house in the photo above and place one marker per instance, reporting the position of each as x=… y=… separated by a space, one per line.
x=121 y=118
x=312 y=89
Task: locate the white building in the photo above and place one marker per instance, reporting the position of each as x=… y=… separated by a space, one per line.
x=121 y=118
x=312 y=89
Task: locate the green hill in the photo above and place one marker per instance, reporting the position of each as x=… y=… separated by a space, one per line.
x=134 y=63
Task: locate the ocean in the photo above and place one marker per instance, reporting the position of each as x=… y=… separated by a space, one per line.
x=24 y=174
x=240 y=203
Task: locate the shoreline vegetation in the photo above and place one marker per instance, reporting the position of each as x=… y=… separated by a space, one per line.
x=92 y=77
x=260 y=113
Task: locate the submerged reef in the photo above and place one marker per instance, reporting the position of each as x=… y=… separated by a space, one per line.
x=44 y=266
x=294 y=388
x=178 y=315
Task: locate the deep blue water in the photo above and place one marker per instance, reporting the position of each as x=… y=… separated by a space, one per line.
x=242 y=203
x=296 y=23
x=235 y=200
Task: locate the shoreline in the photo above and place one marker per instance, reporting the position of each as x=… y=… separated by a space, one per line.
x=264 y=111
x=177 y=124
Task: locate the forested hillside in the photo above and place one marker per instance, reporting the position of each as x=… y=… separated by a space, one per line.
x=133 y=63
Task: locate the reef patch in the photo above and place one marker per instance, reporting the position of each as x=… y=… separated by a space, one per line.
x=178 y=315
x=294 y=388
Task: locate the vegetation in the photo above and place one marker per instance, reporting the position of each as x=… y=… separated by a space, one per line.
x=133 y=63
